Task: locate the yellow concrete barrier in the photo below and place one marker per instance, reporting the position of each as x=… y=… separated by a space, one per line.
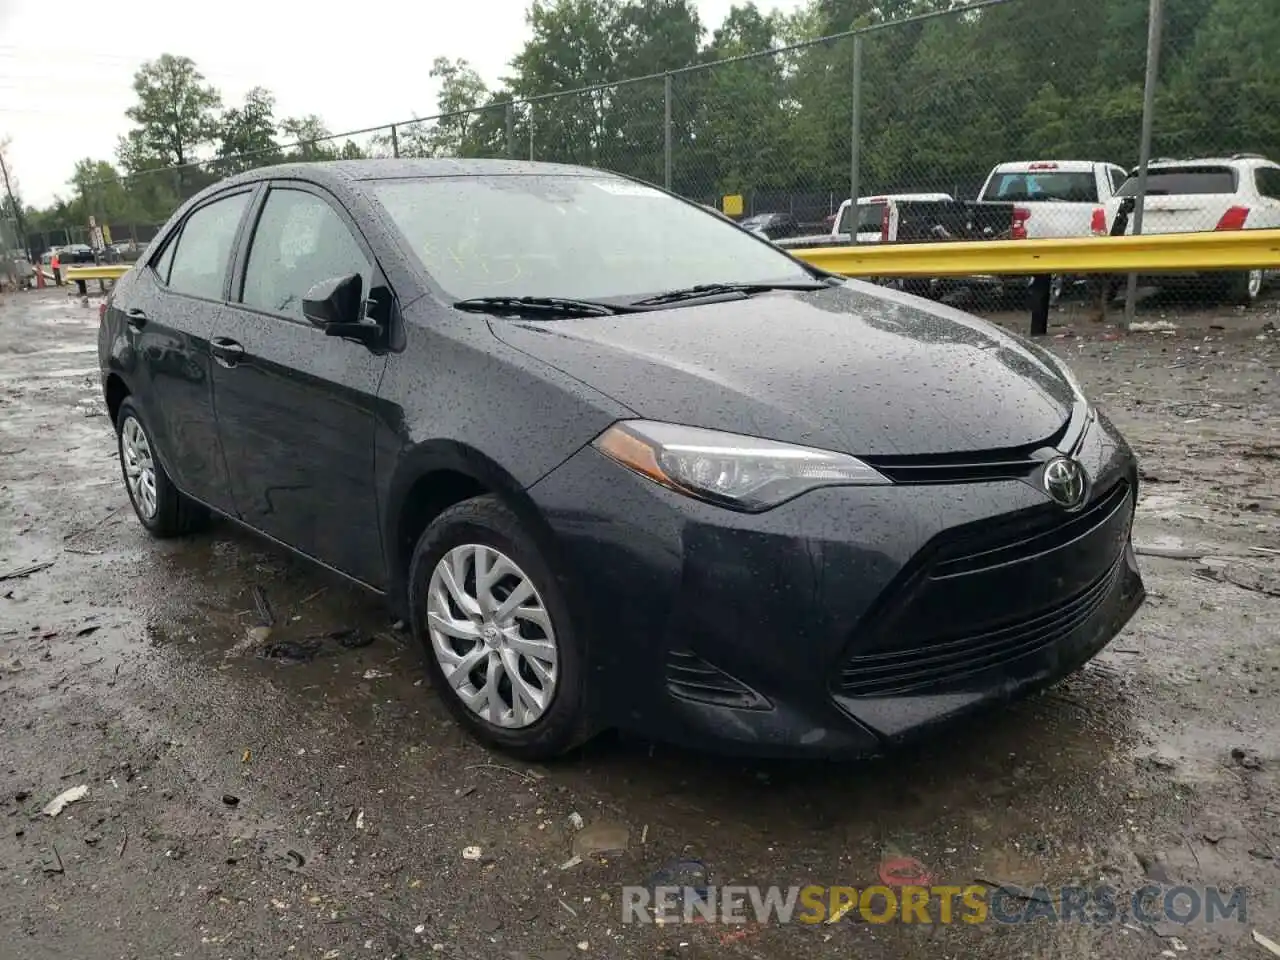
x=1152 y=253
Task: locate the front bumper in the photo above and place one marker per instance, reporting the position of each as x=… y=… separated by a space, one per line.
x=843 y=621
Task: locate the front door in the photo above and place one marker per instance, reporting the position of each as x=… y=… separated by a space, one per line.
x=296 y=407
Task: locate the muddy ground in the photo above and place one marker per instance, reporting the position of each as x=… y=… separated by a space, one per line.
x=248 y=806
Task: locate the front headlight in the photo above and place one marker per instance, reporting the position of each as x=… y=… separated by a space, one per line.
x=742 y=473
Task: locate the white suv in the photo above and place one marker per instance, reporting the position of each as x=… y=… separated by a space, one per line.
x=1191 y=196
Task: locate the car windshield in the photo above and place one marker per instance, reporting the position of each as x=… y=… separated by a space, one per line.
x=574 y=236
x=1185 y=181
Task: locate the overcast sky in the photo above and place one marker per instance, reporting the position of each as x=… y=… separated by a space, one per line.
x=65 y=84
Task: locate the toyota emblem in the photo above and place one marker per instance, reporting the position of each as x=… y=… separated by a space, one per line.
x=1065 y=482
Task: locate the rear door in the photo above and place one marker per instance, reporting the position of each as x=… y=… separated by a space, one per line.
x=171 y=307
x=296 y=407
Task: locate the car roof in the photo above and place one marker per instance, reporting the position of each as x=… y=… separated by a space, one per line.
x=1063 y=166
x=350 y=171
x=1213 y=162
x=882 y=197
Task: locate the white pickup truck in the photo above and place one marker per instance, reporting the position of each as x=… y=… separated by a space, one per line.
x=1059 y=196
x=871 y=211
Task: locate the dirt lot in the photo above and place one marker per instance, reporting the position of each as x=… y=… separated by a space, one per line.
x=317 y=802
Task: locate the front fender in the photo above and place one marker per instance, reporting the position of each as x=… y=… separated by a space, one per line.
x=438 y=458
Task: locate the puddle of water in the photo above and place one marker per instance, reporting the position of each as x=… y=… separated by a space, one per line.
x=65 y=348
x=66 y=372
x=1170 y=506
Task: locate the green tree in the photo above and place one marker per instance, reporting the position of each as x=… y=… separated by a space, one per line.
x=462 y=93
x=1223 y=94
x=309 y=139
x=247 y=135
x=570 y=47
x=176 y=113
x=737 y=132
x=175 y=117
x=592 y=44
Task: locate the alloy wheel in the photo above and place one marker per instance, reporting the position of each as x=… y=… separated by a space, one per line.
x=139 y=467
x=492 y=635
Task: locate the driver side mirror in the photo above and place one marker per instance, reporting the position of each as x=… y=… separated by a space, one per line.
x=336 y=306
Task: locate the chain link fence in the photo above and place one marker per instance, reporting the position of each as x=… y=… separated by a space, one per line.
x=999 y=119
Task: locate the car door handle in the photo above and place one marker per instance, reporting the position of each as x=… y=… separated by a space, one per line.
x=136 y=318
x=227 y=352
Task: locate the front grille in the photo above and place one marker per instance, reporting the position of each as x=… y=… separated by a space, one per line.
x=692 y=678
x=942 y=666
x=994 y=543
x=1011 y=463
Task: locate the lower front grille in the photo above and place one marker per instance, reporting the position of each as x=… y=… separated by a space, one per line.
x=943 y=666
x=692 y=678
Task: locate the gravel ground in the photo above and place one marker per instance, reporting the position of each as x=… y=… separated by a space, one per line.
x=264 y=793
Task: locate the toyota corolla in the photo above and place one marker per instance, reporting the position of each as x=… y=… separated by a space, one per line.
x=619 y=462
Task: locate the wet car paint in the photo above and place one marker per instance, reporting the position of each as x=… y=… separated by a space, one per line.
x=443 y=405
x=856 y=369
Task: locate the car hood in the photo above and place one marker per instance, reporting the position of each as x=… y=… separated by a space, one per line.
x=855 y=368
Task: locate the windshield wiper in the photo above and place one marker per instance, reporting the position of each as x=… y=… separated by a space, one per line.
x=718 y=289
x=563 y=306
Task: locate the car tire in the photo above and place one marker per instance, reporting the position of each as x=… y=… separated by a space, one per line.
x=158 y=504
x=1242 y=289
x=470 y=638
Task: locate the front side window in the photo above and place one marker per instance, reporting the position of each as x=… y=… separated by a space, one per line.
x=203 y=249
x=570 y=236
x=300 y=241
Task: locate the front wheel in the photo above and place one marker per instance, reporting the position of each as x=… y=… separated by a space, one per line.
x=496 y=629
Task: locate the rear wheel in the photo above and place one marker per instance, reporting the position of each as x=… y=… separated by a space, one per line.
x=499 y=641
x=158 y=504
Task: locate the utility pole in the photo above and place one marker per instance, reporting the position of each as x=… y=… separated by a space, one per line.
x=1155 y=20
x=17 y=207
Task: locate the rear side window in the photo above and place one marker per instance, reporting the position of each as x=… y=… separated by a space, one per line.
x=1268 y=180
x=1118 y=178
x=1043 y=186
x=1180 y=181
x=200 y=260
x=300 y=240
